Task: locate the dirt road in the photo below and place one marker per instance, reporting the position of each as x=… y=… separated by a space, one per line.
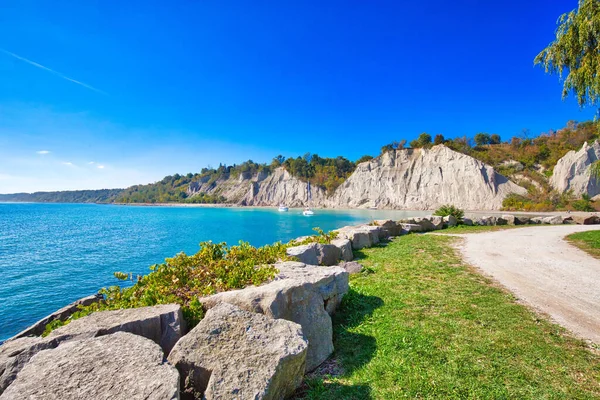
x=544 y=271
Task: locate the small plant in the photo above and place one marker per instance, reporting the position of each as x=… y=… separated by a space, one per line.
x=449 y=209
x=584 y=204
x=321 y=237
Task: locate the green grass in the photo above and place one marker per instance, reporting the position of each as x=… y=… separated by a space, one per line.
x=422 y=324
x=587 y=241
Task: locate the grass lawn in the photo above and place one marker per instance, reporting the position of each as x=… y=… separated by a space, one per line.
x=422 y=324
x=587 y=241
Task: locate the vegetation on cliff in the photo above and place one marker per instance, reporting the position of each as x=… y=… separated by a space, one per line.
x=71 y=196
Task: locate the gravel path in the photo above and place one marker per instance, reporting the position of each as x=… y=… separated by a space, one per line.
x=544 y=271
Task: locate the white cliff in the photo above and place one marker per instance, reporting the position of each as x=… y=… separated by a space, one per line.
x=417 y=179
x=572 y=172
x=424 y=179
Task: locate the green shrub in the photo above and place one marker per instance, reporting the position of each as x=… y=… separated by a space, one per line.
x=320 y=237
x=449 y=209
x=183 y=279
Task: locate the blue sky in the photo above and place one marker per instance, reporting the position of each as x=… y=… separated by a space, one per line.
x=120 y=93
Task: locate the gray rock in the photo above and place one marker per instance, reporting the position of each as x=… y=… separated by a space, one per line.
x=437 y=222
x=239 y=354
x=373 y=231
x=352 y=267
x=328 y=254
x=521 y=220
x=301 y=293
x=387 y=228
x=536 y=220
x=488 y=221
x=553 y=220
x=306 y=253
x=510 y=219
x=118 y=366
x=409 y=228
x=426 y=225
x=450 y=221
x=163 y=324
x=586 y=219
x=62 y=314
x=345 y=247
x=16 y=353
x=359 y=237
x=501 y=221
x=468 y=222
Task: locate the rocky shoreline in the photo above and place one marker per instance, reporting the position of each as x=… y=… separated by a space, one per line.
x=253 y=343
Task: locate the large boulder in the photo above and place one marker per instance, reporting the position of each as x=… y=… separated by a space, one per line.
x=387 y=228
x=239 y=354
x=345 y=247
x=572 y=172
x=522 y=220
x=118 y=366
x=306 y=253
x=586 y=219
x=38 y=328
x=553 y=220
x=450 y=221
x=301 y=293
x=16 y=353
x=510 y=219
x=437 y=221
x=328 y=254
x=410 y=228
x=352 y=267
x=163 y=324
x=360 y=236
x=425 y=223
x=468 y=222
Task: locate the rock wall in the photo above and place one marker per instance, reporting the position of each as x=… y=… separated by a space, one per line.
x=572 y=172
x=416 y=179
x=424 y=179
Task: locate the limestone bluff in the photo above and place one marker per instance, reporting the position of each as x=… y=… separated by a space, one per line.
x=416 y=179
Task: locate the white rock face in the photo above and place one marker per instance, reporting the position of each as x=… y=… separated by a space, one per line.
x=416 y=179
x=572 y=172
x=282 y=188
x=424 y=179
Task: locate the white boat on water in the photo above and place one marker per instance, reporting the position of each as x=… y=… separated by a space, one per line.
x=283 y=208
x=308 y=212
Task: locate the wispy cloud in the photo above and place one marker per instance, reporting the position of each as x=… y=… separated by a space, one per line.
x=43 y=152
x=85 y=85
x=101 y=166
x=91 y=162
x=68 y=163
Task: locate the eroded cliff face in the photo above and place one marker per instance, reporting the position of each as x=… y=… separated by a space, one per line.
x=572 y=172
x=416 y=179
x=282 y=188
x=424 y=179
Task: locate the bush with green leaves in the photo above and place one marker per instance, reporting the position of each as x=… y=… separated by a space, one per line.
x=321 y=237
x=449 y=209
x=184 y=278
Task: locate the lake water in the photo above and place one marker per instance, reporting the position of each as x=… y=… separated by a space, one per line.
x=53 y=254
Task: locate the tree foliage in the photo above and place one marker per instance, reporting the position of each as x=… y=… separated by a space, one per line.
x=576 y=50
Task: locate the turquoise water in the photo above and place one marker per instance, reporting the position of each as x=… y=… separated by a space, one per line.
x=53 y=254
